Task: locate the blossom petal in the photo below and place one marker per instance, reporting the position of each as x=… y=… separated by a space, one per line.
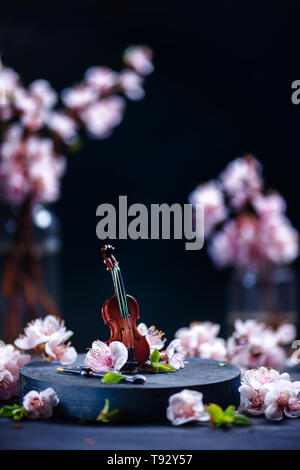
x=119 y=354
x=273 y=413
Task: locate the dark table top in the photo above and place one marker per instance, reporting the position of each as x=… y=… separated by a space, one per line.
x=70 y=435
x=53 y=434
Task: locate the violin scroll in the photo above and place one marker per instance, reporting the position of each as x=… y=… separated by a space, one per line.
x=108 y=257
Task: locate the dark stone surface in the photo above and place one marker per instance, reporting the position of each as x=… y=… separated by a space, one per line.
x=82 y=397
x=70 y=435
x=59 y=434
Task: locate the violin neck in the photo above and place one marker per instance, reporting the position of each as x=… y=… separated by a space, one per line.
x=124 y=309
x=120 y=292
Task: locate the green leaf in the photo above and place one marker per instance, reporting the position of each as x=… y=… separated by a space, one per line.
x=162 y=367
x=165 y=368
x=215 y=412
x=155 y=356
x=241 y=420
x=229 y=411
x=6 y=411
x=217 y=415
x=16 y=412
x=105 y=415
x=112 y=378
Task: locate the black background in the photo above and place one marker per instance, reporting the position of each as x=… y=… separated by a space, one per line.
x=222 y=87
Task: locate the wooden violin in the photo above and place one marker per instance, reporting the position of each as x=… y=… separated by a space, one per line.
x=120 y=313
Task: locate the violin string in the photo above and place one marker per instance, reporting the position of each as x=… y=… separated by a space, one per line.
x=122 y=299
x=125 y=305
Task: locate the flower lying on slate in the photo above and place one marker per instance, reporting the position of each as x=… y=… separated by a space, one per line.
x=187 y=407
x=266 y=391
x=48 y=335
x=36 y=405
x=40 y=404
x=11 y=359
x=104 y=358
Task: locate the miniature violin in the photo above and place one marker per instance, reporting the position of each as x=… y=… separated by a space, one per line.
x=120 y=313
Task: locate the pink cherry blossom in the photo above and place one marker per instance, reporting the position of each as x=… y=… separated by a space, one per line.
x=266 y=391
x=78 y=97
x=39 y=405
x=249 y=240
x=11 y=360
x=139 y=58
x=51 y=334
x=286 y=333
x=131 y=84
x=282 y=399
x=101 y=79
x=31 y=111
x=104 y=358
x=197 y=334
x=176 y=354
x=278 y=239
x=254 y=388
x=101 y=117
x=253 y=345
x=32 y=161
x=248 y=327
x=64 y=353
x=294 y=359
x=215 y=350
x=153 y=336
x=44 y=169
x=257 y=378
x=41 y=331
x=222 y=246
x=9 y=79
x=269 y=205
x=237 y=243
x=242 y=180
x=6 y=384
x=43 y=93
x=211 y=196
x=62 y=124
x=29 y=167
x=186 y=406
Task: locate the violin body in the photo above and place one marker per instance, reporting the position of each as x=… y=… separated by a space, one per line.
x=120 y=313
x=125 y=329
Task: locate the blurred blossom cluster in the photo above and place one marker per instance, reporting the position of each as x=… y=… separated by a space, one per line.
x=39 y=127
x=11 y=360
x=200 y=340
x=245 y=224
x=252 y=344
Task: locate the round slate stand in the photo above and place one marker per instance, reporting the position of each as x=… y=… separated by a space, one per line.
x=82 y=397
